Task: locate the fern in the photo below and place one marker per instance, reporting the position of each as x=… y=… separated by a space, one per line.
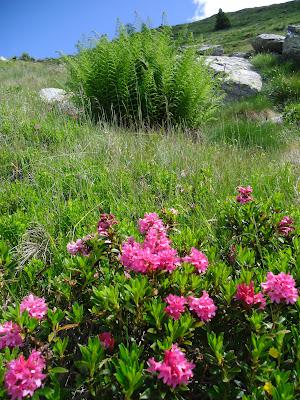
x=139 y=80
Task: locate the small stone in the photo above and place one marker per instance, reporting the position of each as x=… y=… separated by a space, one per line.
x=60 y=98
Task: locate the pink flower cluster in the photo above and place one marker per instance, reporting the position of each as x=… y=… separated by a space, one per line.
x=175 y=369
x=105 y=223
x=79 y=247
x=107 y=340
x=285 y=226
x=35 y=306
x=244 y=195
x=197 y=259
x=155 y=253
x=176 y=305
x=280 y=288
x=204 y=306
x=10 y=335
x=245 y=293
x=23 y=376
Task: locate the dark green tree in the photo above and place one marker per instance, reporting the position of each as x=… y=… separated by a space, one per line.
x=130 y=28
x=26 y=57
x=222 y=21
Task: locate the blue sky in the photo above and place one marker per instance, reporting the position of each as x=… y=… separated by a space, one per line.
x=43 y=27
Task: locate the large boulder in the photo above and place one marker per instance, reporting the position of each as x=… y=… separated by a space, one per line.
x=291 y=45
x=239 y=78
x=268 y=43
x=59 y=98
x=212 y=50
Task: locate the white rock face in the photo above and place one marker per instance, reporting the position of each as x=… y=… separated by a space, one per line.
x=60 y=98
x=3 y=58
x=240 y=79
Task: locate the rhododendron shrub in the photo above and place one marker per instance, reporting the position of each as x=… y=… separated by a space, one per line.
x=155 y=253
x=35 y=306
x=175 y=369
x=23 y=376
x=244 y=195
x=285 y=226
x=176 y=305
x=204 y=306
x=280 y=288
x=253 y=225
x=10 y=335
x=245 y=294
x=107 y=340
x=159 y=313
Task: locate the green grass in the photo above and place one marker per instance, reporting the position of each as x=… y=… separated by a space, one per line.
x=246 y=24
x=57 y=171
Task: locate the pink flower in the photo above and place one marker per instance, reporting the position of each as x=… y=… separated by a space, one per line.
x=245 y=293
x=23 y=377
x=244 y=194
x=285 y=226
x=280 y=288
x=197 y=259
x=175 y=305
x=79 y=247
x=204 y=306
x=175 y=369
x=155 y=253
x=136 y=258
x=105 y=223
x=156 y=239
x=107 y=340
x=168 y=260
x=149 y=220
x=10 y=335
x=35 y=306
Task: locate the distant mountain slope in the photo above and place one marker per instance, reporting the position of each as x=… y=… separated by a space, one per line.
x=246 y=24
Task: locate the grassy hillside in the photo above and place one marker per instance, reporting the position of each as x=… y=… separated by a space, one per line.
x=57 y=170
x=246 y=24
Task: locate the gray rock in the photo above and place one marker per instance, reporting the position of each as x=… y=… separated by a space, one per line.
x=59 y=98
x=240 y=79
x=212 y=50
x=291 y=45
x=268 y=43
x=241 y=54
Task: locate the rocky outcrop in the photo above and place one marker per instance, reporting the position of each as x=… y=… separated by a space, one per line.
x=59 y=98
x=291 y=46
x=268 y=43
x=211 y=50
x=239 y=78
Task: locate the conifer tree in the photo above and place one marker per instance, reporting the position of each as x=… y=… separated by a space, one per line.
x=222 y=21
